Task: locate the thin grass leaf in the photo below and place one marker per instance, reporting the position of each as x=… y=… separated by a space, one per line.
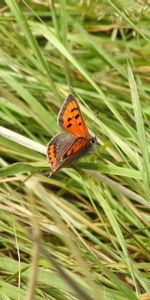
x=141 y=132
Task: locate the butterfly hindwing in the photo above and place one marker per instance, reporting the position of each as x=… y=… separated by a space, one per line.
x=79 y=147
x=57 y=146
x=70 y=118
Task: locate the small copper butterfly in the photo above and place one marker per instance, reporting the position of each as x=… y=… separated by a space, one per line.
x=66 y=147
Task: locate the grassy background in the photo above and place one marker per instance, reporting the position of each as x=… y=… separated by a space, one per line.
x=93 y=218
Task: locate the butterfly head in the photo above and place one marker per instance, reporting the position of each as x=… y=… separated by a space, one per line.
x=93 y=139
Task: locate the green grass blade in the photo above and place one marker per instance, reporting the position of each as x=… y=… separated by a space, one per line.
x=141 y=133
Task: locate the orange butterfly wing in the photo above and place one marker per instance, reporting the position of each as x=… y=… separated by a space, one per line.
x=51 y=156
x=79 y=147
x=70 y=118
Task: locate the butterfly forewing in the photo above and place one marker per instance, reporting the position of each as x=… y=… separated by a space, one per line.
x=70 y=118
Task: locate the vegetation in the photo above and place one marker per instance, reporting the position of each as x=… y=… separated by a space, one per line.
x=83 y=233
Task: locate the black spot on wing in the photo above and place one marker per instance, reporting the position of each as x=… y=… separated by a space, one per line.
x=73 y=109
x=77 y=116
x=69 y=119
x=69 y=125
x=79 y=124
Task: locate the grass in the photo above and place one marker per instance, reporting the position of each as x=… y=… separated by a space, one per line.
x=83 y=233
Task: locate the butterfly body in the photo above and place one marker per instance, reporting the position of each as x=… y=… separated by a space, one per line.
x=67 y=147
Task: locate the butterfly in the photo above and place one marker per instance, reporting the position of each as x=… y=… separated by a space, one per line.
x=64 y=148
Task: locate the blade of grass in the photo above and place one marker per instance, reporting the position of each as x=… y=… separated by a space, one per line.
x=32 y=42
x=61 y=32
x=42 y=29
x=40 y=113
x=141 y=132
x=97 y=191
x=103 y=53
x=124 y=16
